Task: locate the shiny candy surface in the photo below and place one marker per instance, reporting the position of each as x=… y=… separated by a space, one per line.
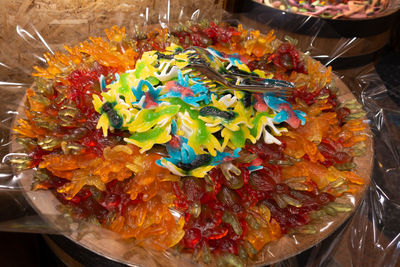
x=123 y=135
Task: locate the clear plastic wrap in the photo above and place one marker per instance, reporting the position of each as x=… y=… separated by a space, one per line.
x=342 y=43
x=31 y=28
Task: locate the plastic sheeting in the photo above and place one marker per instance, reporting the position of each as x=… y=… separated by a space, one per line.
x=369 y=238
x=342 y=43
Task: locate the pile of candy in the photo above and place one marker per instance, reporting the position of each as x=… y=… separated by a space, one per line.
x=126 y=135
x=331 y=9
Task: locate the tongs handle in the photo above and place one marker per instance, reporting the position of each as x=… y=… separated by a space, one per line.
x=216 y=77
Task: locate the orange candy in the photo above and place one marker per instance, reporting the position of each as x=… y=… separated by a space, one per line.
x=151 y=223
x=268 y=230
x=120 y=162
x=319 y=174
x=297 y=146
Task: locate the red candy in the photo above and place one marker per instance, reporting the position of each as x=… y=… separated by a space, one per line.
x=264 y=197
x=288 y=58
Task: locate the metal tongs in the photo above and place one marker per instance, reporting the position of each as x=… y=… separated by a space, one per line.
x=212 y=71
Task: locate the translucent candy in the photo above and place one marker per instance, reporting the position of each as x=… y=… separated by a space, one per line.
x=297 y=146
x=263 y=235
x=318 y=127
x=242 y=204
x=151 y=224
x=148 y=176
x=120 y=163
x=259 y=45
x=319 y=174
x=318 y=75
x=150 y=221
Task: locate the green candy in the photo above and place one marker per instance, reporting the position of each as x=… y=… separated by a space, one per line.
x=139 y=69
x=124 y=84
x=184 y=107
x=148 y=118
x=146 y=136
x=153 y=80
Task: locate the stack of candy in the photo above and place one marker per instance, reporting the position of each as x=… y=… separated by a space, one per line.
x=331 y=9
x=126 y=135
